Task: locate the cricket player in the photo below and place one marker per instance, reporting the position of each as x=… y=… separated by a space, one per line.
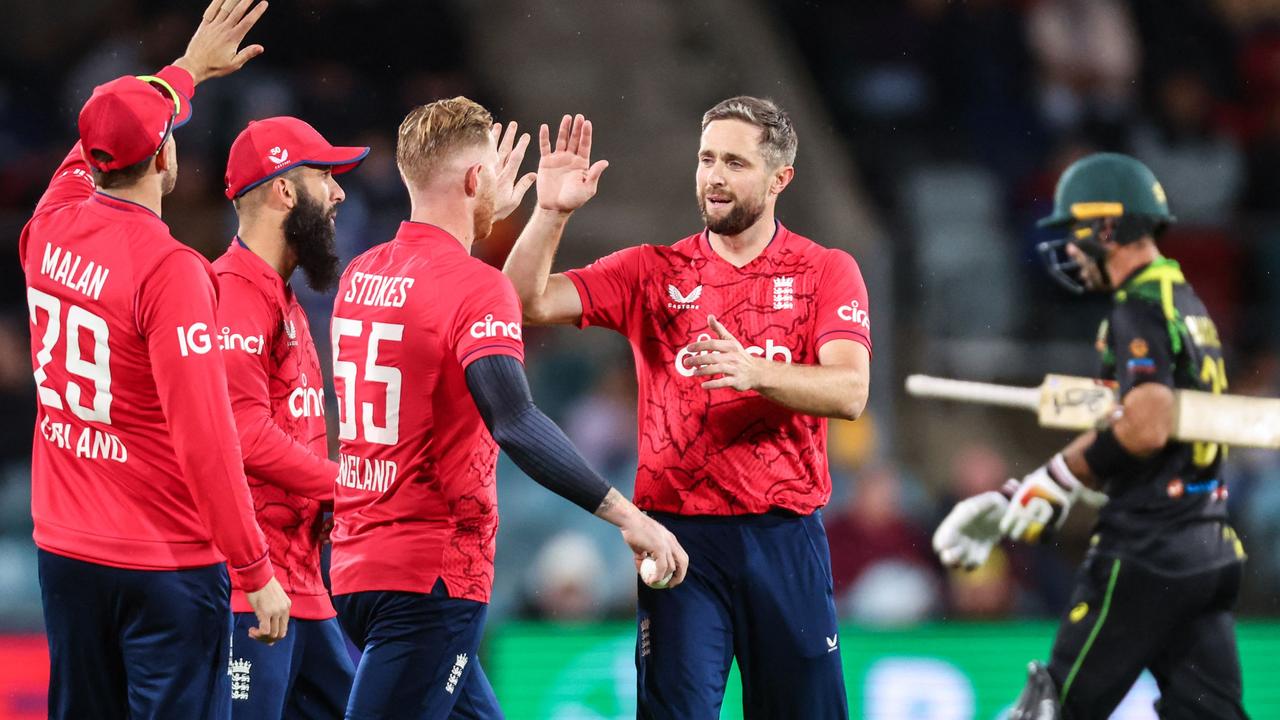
x=746 y=337
x=427 y=357
x=1160 y=580
x=138 y=492
x=280 y=176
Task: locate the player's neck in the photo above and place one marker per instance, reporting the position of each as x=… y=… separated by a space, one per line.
x=146 y=194
x=269 y=244
x=458 y=221
x=1128 y=259
x=740 y=249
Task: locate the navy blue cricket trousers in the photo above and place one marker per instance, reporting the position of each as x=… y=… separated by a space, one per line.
x=306 y=675
x=759 y=590
x=421 y=656
x=136 y=643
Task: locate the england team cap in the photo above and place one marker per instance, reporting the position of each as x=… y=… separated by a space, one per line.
x=129 y=118
x=267 y=148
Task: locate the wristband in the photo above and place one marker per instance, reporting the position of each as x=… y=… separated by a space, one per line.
x=1107 y=458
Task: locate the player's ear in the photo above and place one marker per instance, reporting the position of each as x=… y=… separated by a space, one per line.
x=471 y=180
x=781 y=179
x=164 y=157
x=285 y=192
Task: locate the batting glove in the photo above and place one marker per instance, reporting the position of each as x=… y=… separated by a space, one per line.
x=1043 y=499
x=965 y=537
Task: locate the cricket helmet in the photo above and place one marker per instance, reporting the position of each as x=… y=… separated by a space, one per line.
x=1097 y=191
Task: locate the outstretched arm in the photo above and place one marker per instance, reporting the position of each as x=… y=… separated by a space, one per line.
x=540 y=448
x=566 y=181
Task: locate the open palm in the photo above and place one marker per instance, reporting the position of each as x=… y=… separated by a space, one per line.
x=566 y=177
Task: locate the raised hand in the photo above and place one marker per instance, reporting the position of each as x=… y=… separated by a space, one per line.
x=214 y=49
x=510 y=190
x=566 y=177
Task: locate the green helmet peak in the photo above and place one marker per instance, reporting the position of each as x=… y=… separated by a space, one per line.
x=1107 y=185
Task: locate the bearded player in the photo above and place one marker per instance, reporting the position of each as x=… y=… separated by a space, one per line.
x=1160 y=580
x=746 y=338
x=281 y=178
x=427 y=355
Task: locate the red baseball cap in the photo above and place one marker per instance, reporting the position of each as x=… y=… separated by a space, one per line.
x=129 y=120
x=267 y=148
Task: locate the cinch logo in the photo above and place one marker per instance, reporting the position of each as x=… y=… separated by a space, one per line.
x=251 y=344
x=493 y=328
x=770 y=351
x=279 y=156
x=306 y=401
x=854 y=314
x=194 y=339
x=680 y=301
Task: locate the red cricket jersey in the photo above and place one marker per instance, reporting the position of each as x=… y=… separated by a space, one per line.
x=135 y=461
x=724 y=452
x=277 y=396
x=416 y=498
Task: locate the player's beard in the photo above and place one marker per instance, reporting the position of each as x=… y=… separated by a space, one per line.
x=742 y=214
x=310 y=233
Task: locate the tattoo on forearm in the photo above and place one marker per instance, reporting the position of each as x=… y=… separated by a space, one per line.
x=608 y=502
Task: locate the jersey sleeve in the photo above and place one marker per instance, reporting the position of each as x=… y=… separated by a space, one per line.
x=487 y=320
x=71 y=183
x=608 y=289
x=842 y=310
x=1142 y=345
x=270 y=453
x=176 y=313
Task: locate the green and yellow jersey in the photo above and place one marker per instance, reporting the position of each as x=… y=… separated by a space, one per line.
x=1169 y=513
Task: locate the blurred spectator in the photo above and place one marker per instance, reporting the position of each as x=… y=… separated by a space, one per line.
x=17 y=397
x=881 y=563
x=1088 y=54
x=603 y=423
x=563 y=583
x=1199 y=166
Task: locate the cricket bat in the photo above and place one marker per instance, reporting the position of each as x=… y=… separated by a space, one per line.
x=1067 y=402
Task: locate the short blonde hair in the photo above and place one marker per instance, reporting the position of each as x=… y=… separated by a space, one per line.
x=431 y=133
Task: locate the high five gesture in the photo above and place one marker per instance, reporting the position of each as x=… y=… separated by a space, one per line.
x=566 y=177
x=214 y=49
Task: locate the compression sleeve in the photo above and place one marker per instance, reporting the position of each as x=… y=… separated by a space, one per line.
x=536 y=444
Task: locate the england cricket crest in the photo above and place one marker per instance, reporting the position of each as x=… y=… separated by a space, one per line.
x=784 y=289
x=239 y=672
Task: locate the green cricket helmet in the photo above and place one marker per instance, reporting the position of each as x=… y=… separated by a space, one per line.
x=1097 y=190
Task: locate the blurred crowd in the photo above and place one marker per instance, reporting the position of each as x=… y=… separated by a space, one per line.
x=959 y=117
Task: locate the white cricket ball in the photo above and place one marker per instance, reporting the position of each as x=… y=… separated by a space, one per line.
x=649 y=574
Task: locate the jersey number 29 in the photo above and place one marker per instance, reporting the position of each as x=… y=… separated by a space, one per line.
x=96 y=370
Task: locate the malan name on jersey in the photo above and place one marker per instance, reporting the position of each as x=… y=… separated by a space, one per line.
x=64 y=267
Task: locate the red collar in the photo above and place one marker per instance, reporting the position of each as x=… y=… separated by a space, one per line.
x=118 y=204
x=420 y=232
x=257 y=269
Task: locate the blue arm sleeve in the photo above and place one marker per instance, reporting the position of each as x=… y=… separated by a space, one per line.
x=536 y=444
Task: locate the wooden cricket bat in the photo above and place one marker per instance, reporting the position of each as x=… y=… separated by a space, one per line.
x=1067 y=402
